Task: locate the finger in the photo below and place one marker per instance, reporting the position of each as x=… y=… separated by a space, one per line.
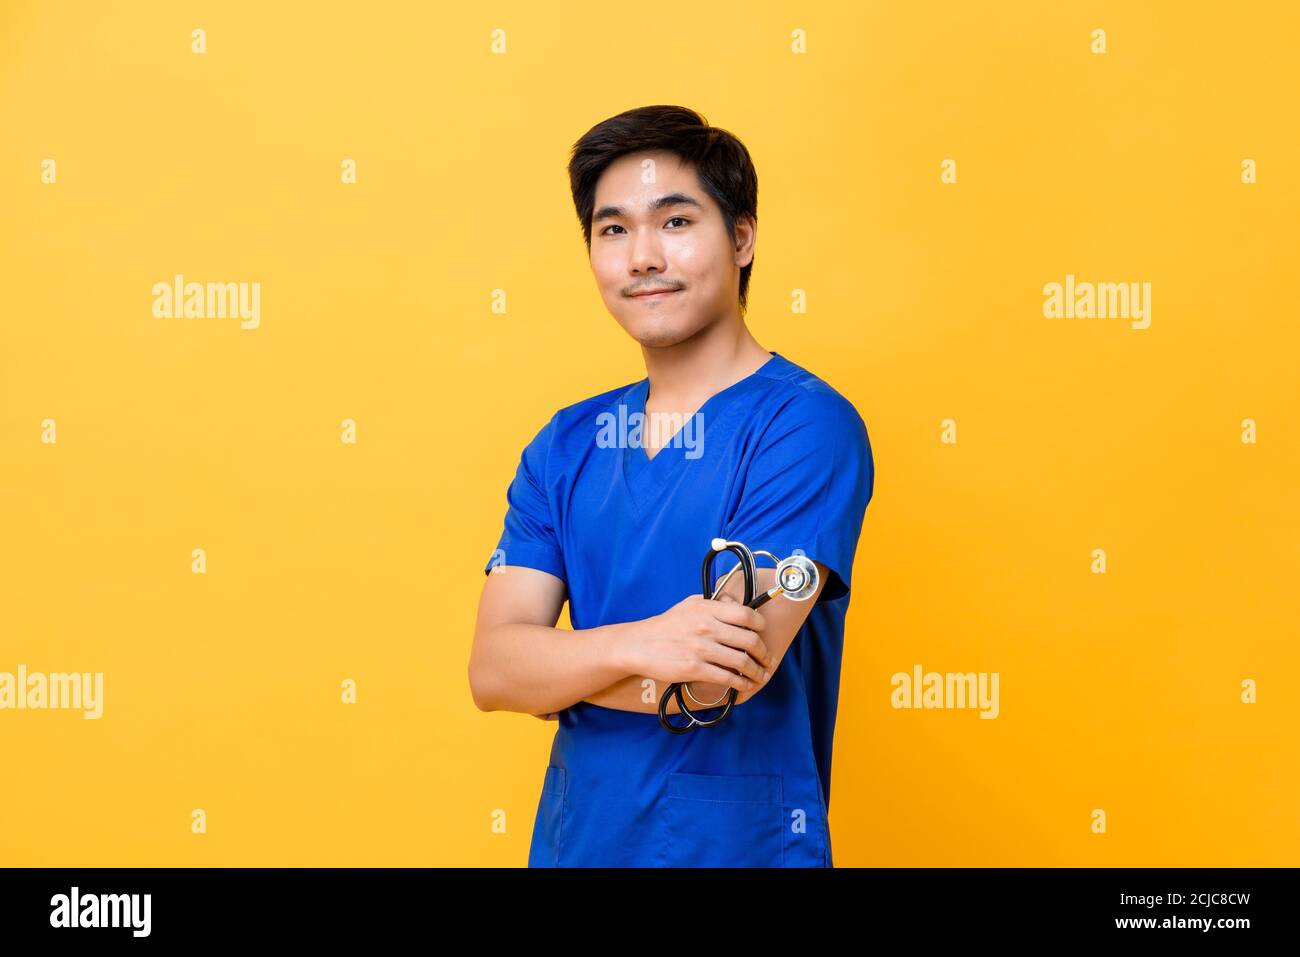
x=747 y=641
x=740 y=615
x=740 y=661
x=721 y=676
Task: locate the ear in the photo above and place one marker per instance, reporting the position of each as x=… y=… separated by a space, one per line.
x=746 y=238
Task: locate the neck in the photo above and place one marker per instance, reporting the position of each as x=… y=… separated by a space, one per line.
x=684 y=375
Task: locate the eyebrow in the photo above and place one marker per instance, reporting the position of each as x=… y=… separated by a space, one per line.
x=671 y=199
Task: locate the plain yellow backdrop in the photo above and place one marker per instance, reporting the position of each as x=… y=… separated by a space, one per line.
x=329 y=561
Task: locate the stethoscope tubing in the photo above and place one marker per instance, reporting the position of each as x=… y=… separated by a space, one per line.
x=750 y=572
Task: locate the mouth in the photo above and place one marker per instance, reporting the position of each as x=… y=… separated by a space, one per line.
x=653 y=296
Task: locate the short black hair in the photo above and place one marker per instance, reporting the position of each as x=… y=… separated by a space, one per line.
x=721 y=162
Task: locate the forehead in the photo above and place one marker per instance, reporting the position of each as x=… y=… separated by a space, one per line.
x=637 y=178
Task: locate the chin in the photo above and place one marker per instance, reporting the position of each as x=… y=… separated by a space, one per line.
x=658 y=336
x=659 y=332
x=655 y=340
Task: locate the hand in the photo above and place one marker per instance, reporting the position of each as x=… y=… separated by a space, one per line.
x=699 y=694
x=704 y=640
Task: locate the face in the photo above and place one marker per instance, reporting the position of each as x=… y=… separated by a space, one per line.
x=655 y=230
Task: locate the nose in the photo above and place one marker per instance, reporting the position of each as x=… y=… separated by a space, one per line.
x=646 y=255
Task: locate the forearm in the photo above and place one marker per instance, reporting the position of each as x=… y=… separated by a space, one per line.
x=641 y=694
x=535 y=669
x=631 y=693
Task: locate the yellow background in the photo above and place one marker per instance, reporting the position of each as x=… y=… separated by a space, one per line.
x=328 y=561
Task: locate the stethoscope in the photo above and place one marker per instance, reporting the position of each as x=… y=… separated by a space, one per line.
x=796 y=578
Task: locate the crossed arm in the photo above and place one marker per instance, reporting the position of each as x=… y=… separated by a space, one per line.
x=521 y=662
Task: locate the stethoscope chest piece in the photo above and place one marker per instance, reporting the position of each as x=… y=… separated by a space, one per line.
x=797 y=576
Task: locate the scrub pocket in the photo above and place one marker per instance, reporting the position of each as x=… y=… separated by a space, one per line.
x=713 y=820
x=549 y=826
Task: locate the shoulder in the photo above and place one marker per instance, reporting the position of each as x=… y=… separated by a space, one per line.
x=588 y=408
x=800 y=401
x=579 y=421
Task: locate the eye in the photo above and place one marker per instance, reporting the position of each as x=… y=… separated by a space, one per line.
x=606 y=230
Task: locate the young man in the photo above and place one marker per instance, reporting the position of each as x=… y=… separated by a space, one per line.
x=619 y=518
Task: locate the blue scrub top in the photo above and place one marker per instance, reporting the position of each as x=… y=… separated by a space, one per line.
x=782 y=462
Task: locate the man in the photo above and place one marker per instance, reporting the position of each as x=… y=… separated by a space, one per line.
x=617 y=517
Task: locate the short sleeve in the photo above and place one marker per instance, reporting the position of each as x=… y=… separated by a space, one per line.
x=528 y=537
x=807 y=488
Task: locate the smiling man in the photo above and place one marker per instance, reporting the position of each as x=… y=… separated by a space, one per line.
x=668 y=207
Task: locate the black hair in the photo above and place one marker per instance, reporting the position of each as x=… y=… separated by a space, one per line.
x=721 y=162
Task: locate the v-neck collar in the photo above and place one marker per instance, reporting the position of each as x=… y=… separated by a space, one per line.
x=643 y=476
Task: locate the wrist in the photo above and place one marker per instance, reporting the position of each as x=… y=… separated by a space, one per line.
x=627 y=649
